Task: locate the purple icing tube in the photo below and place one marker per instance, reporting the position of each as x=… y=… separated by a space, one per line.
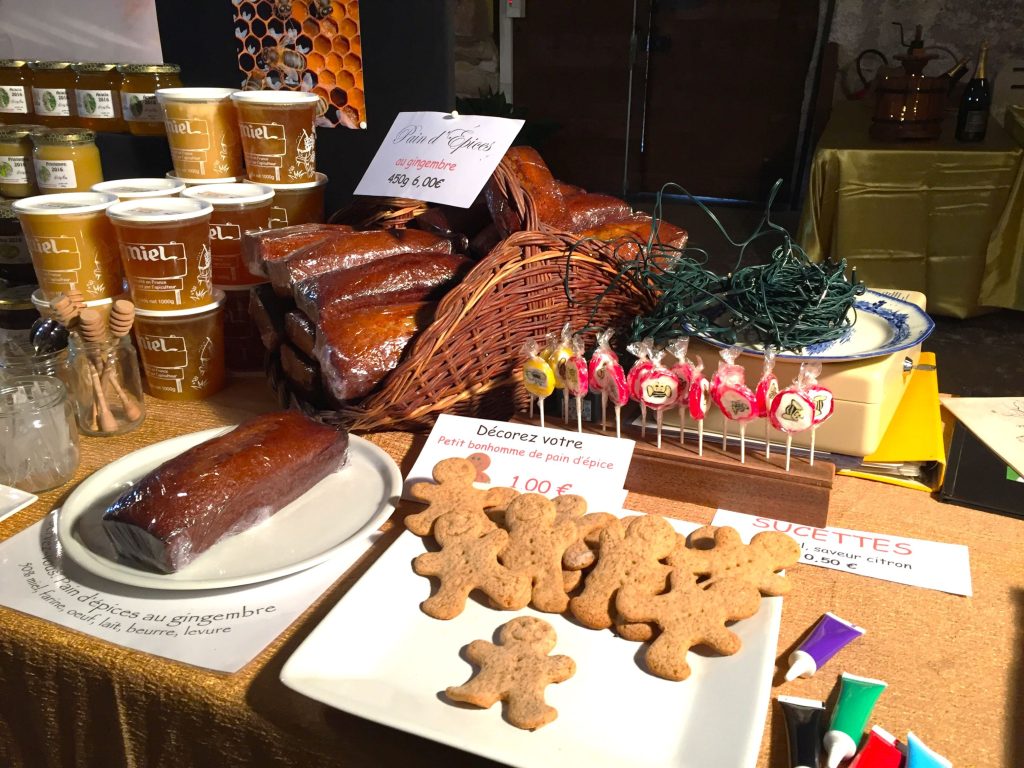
x=828 y=637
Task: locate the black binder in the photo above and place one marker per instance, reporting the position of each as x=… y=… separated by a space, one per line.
x=977 y=477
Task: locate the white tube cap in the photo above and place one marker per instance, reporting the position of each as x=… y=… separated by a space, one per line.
x=839 y=747
x=801 y=664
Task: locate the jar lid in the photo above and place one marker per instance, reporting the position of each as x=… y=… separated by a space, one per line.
x=168 y=314
x=62 y=203
x=13 y=63
x=320 y=180
x=7 y=210
x=16 y=131
x=163 y=95
x=49 y=64
x=230 y=195
x=17 y=297
x=148 y=69
x=192 y=182
x=157 y=210
x=93 y=66
x=275 y=98
x=51 y=136
x=142 y=187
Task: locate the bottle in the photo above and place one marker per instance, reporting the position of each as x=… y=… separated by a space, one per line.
x=972 y=119
x=958 y=70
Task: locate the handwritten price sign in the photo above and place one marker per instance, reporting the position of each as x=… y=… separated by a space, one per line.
x=438 y=157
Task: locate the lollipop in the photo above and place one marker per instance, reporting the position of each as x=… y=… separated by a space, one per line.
x=538 y=378
x=697 y=400
x=791 y=411
x=736 y=400
x=821 y=397
x=642 y=350
x=557 y=352
x=683 y=369
x=602 y=361
x=767 y=389
x=727 y=371
x=659 y=389
x=577 y=379
x=618 y=392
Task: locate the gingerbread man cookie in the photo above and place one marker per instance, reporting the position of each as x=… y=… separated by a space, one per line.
x=516 y=671
x=482 y=461
x=536 y=543
x=717 y=553
x=688 y=615
x=453 y=491
x=627 y=555
x=468 y=560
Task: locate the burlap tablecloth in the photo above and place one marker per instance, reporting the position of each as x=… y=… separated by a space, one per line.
x=941 y=217
x=955 y=665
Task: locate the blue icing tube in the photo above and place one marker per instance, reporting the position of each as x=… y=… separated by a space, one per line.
x=919 y=755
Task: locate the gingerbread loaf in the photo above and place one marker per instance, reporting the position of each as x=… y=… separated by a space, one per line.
x=222 y=487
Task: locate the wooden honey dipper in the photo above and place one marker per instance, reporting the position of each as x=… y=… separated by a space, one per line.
x=93 y=330
x=122 y=316
x=65 y=310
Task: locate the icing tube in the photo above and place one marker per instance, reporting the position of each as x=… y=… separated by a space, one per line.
x=879 y=751
x=804 y=718
x=921 y=756
x=857 y=697
x=830 y=635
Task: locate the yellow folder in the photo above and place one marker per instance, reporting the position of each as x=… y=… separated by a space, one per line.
x=912 y=453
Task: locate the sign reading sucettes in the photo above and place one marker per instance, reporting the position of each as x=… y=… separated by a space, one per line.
x=438 y=157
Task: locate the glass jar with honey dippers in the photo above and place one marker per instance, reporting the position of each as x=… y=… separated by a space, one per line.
x=66 y=160
x=17 y=174
x=98 y=96
x=15 y=90
x=53 y=93
x=139 y=83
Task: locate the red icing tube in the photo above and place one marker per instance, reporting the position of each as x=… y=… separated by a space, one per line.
x=879 y=751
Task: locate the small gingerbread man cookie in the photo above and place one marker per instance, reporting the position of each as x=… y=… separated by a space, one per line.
x=516 y=671
x=468 y=560
x=718 y=553
x=537 y=541
x=453 y=491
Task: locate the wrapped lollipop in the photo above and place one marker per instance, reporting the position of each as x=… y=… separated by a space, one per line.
x=683 y=369
x=659 y=389
x=697 y=401
x=820 y=396
x=792 y=411
x=737 y=402
x=557 y=351
x=767 y=389
x=538 y=378
x=642 y=350
x=727 y=371
x=603 y=361
x=577 y=379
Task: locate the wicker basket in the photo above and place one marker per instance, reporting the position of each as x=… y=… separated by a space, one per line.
x=468 y=360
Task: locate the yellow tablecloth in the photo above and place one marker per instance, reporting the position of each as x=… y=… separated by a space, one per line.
x=941 y=217
x=953 y=664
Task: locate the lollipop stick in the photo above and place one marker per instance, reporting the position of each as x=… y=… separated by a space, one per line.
x=643 y=420
x=579 y=415
x=531 y=406
x=604 y=411
x=565 y=406
x=813 y=431
x=743 y=442
x=682 y=426
x=789 y=447
x=540 y=405
x=659 y=428
x=700 y=437
x=725 y=432
x=767 y=438
x=618 y=421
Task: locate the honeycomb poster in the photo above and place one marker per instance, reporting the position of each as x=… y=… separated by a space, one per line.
x=304 y=45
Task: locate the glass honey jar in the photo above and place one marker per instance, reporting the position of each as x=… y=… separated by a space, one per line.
x=98 y=96
x=66 y=160
x=15 y=260
x=139 y=83
x=15 y=90
x=53 y=93
x=17 y=174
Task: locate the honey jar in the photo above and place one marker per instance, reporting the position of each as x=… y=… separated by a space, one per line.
x=15 y=90
x=17 y=174
x=53 y=87
x=66 y=160
x=139 y=83
x=237 y=209
x=16 y=315
x=15 y=260
x=98 y=96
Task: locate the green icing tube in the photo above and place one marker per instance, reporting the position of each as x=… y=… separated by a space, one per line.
x=857 y=697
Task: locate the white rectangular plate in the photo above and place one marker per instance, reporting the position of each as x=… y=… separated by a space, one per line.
x=378 y=656
x=13 y=500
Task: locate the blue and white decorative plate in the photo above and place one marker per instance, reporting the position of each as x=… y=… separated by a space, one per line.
x=882 y=325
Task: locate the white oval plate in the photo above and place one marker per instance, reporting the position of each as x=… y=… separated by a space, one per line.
x=883 y=325
x=356 y=499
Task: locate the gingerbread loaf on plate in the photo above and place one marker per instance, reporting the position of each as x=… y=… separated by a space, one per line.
x=222 y=487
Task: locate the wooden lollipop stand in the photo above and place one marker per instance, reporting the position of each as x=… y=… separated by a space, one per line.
x=718 y=479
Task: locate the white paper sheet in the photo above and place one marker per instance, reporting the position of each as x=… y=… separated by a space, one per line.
x=997 y=421
x=919 y=563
